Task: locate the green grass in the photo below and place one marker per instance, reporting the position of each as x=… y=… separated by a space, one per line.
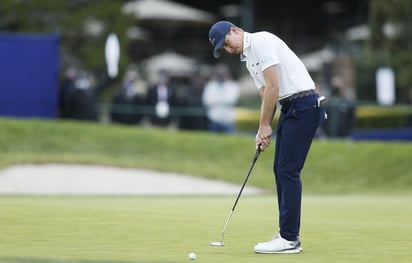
x=356 y=205
x=333 y=166
x=352 y=228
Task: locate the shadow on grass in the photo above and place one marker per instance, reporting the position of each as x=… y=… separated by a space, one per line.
x=49 y=260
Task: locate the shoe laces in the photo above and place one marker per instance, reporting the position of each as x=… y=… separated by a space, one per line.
x=275 y=237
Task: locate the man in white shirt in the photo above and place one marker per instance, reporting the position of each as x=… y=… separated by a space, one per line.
x=220 y=96
x=281 y=76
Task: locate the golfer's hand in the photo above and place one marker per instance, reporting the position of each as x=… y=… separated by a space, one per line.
x=263 y=137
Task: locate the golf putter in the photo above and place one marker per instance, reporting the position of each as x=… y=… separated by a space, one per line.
x=221 y=243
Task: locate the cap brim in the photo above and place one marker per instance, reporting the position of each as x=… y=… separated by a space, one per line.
x=218 y=48
x=217 y=53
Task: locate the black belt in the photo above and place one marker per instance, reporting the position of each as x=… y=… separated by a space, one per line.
x=297 y=95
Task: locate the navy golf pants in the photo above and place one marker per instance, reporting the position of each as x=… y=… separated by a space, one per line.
x=299 y=120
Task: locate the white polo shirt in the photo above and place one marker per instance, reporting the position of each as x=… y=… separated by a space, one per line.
x=262 y=50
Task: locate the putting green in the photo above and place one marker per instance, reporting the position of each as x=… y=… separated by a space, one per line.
x=364 y=228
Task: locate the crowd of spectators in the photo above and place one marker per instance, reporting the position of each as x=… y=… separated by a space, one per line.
x=202 y=102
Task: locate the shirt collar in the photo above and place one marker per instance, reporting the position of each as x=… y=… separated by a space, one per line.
x=246 y=46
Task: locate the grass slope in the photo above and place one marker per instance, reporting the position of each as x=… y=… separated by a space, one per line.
x=333 y=166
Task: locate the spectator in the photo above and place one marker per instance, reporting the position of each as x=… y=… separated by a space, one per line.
x=66 y=92
x=220 y=97
x=161 y=97
x=194 y=115
x=80 y=100
x=128 y=104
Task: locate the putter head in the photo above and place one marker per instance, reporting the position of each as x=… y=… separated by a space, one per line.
x=217 y=244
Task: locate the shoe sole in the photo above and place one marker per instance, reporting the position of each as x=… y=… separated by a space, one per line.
x=287 y=251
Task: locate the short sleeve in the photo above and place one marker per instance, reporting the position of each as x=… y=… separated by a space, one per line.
x=266 y=50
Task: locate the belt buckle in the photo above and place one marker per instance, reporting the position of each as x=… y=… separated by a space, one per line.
x=284 y=101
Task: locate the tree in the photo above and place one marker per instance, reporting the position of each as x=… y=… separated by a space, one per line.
x=390 y=22
x=83 y=26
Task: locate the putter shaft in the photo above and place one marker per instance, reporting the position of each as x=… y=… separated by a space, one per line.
x=238 y=196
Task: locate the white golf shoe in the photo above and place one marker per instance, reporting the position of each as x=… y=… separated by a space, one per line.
x=278 y=245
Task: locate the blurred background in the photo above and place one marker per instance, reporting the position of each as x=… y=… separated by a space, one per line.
x=148 y=62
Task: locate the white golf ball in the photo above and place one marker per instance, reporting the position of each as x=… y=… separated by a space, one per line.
x=192 y=256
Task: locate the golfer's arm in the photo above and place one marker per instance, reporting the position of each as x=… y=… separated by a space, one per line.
x=269 y=95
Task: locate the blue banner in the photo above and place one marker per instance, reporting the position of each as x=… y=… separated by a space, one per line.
x=29 y=75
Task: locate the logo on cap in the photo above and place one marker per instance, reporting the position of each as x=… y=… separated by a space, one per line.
x=212 y=41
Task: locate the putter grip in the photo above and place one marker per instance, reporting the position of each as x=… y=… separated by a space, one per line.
x=258 y=150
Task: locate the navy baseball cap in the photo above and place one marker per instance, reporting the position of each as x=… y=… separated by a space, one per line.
x=217 y=35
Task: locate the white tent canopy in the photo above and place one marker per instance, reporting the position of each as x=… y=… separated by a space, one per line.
x=360 y=32
x=165 y=10
x=315 y=60
x=175 y=64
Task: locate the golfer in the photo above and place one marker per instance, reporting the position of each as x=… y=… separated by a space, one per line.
x=280 y=76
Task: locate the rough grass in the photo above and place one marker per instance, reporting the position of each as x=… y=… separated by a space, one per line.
x=333 y=166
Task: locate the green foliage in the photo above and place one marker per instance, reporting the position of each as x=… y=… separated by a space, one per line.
x=69 y=19
x=366 y=116
x=332 y=167
x=247 y=120
x=366 y=65
x=383 y=117
x=396 y=49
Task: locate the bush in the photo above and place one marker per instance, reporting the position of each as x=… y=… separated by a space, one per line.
x=366 y=116
x=383 y=117
x=247 y=120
